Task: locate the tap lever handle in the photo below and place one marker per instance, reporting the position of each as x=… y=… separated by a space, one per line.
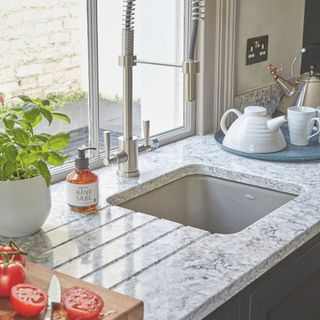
x=107 y=143
x=146 y=132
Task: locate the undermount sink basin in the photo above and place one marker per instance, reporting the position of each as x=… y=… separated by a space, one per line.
x=209 y=203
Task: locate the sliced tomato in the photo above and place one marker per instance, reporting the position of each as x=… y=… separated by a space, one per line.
x=28 y=300
x=10 y=274
x=82 y=303
x=12 y=247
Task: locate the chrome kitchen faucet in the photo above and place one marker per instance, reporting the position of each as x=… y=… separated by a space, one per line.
x=127 y=154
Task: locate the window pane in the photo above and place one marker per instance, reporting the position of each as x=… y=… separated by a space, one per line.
x=159 y=30
x=161 y=101
x=43 y=50
x=157 y=90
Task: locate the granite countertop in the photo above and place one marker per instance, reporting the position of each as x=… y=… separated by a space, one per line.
x=179 y=272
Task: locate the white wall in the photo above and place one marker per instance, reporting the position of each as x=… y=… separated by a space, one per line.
x=41 y=46
x=282 y=20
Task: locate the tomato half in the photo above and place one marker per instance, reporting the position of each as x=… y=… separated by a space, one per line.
x=82 y=303
x=28 y=300
x=10 y=275
x=12 y=247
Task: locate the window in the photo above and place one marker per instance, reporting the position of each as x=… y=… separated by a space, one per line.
x=158 y=90
x=45 y=52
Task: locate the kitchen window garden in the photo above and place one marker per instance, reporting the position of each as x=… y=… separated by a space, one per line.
x=67 y=51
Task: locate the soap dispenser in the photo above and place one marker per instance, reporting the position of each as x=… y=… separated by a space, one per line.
x=82 y=185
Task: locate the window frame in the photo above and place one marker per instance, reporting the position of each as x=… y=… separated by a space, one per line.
x=216 y=52
x=96 y=161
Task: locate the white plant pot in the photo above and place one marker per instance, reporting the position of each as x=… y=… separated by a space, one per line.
x=24 y=206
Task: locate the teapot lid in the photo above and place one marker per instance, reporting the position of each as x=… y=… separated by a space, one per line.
x=255 y=111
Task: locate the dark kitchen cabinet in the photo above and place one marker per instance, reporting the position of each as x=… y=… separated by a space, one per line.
x=289 y=291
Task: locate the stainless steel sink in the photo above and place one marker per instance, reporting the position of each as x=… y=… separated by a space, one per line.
x=209 y=203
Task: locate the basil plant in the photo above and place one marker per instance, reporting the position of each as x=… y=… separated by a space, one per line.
x=23 y=153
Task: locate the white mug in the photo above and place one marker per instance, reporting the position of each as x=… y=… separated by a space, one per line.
x=318 y=115
x=301 y=121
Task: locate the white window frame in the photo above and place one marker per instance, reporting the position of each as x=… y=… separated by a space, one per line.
x=216 y=52
x=188 y=129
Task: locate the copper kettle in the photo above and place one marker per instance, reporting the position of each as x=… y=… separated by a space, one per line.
x=306 y=87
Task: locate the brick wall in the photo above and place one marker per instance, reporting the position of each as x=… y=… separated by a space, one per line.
x=42 y=46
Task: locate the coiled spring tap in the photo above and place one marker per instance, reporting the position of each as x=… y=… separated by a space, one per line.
x=191 y=66
x=127 y=154
x=197 y=14
x=128 y=27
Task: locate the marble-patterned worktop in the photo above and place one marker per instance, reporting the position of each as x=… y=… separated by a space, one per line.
x=179 y=272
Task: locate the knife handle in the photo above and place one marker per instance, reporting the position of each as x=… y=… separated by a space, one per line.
x=48 y=312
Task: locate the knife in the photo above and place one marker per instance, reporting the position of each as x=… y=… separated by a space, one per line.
x=54 y=297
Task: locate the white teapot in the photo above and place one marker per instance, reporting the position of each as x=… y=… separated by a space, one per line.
x=253 y=131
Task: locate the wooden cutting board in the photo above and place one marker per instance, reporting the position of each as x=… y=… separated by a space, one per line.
x=117 y=306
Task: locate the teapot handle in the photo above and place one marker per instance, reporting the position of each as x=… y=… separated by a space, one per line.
x=224 y=117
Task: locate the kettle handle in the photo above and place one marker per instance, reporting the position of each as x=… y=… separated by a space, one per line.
x=224 y=117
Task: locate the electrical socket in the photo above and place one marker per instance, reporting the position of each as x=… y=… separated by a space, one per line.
x=257 y=49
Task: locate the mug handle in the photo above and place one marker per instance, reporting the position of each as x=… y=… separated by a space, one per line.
x=238 y=114
x=318 y=131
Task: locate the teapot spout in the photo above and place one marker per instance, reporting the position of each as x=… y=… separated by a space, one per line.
x=285 y=85
x=276 y=123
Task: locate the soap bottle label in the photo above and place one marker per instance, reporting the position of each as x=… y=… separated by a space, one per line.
x=82 y=195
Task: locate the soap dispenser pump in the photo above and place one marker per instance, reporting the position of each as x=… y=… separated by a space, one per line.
x=82 y=185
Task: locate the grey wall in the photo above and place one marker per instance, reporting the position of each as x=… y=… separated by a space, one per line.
x=282 y=20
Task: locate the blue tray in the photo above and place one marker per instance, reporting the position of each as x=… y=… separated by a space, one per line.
x=290 y=154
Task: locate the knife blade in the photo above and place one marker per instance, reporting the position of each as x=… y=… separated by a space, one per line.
x=54 y=297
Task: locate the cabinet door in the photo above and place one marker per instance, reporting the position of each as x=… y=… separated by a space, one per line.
x=292 y=293
x=228 y=311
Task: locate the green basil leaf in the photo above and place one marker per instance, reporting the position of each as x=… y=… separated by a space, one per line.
x=43 y=137
x=41 y=102
x=35 y=148
x=47 y=114
x=33 y=171
x=9 y=168
x=21 y=136
x=24 y=98
x=54 y=158
x=44 y=171
x=4 y=138
x=9 y=120
x=10 y=152
x=25 y=125
x=61 y=116
x=37 y=120
x=30 y=112
x=57 y=141
x=17 y=108
x=28 y=158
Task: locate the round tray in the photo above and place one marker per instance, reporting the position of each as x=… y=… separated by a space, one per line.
x=290 y=154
